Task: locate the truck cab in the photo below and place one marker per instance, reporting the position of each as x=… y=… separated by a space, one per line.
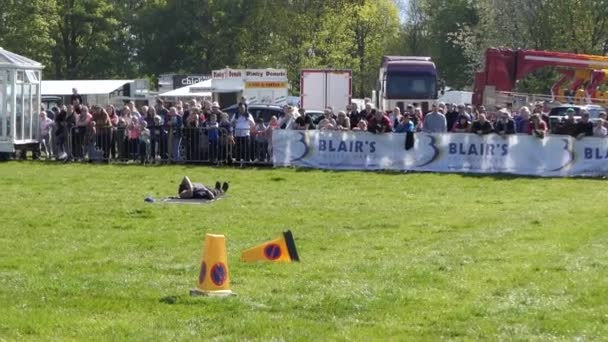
x=405 y=80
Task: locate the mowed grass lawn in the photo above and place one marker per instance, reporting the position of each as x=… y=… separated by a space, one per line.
x=384 y=256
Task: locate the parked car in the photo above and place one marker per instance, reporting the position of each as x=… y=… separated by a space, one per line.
x=316 y=115
x=257 y=111
x=557 y=114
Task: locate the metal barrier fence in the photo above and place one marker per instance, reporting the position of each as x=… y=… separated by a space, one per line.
x=157 y=144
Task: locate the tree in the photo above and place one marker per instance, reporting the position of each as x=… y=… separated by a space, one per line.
x=26 y=28
x=84 y=39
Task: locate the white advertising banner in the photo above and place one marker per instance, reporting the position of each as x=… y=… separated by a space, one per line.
x=468 y=153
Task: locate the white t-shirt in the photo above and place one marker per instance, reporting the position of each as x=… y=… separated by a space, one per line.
x=600 y=131
x=242 y=126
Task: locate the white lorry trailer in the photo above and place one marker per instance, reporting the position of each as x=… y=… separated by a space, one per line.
x=322 y=88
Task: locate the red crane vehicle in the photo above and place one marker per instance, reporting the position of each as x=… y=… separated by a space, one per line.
x=581 y=78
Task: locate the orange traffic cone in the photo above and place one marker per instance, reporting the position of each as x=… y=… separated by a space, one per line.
x=282 y=249
x=213 y=279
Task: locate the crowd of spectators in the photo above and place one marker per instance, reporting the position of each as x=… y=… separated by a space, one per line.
x=453 y=118
x=200 y=131
x=460 y=118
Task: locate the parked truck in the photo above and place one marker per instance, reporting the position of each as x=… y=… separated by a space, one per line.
x=406 y=80
x=322 y=88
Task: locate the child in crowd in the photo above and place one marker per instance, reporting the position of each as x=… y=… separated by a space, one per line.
x=599 y=130
x=406 y=125
x=155 y=137
x=213 y=135
x=361 y=126
x=144 y=142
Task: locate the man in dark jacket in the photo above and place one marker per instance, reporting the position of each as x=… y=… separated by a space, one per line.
x=568 y=126
x=482 y=126
x=584 y=128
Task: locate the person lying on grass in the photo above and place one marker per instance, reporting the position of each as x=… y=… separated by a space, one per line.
x=189 y=190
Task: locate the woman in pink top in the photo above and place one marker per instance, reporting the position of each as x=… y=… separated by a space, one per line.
x=133 y=132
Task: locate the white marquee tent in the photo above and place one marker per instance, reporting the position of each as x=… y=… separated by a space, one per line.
x=87 y=87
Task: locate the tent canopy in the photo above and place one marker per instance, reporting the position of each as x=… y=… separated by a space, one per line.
x=94 y=87
x=200 y=89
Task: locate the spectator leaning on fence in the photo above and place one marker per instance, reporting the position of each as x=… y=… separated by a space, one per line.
x=379 y=123
x=537 y=127
x=405 y=125
x=504 y=124
x=604 y=116
x=361 y=126
x=482 y=126
x=342 y=122
x=568 y=126
x=599 y=130
x=354 y=115
x=435 y=122
x=395 y=116
x=305 y=120
x=328 y=121
x=462 y=125
x=368 y=113
x=288 y=119
x=522 y=124
x=584 y=128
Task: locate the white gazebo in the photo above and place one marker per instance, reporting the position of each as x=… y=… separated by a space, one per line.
x=19 y=101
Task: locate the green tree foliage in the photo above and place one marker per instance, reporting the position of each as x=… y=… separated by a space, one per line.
x=132 y=38
x=84 y=39
x=26 y=27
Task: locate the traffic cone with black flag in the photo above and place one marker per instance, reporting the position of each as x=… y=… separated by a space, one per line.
x=281 y=249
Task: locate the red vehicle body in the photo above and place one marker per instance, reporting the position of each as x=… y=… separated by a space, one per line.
x=504 y=67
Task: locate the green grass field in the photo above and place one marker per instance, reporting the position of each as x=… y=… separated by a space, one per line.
x=384 y=256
